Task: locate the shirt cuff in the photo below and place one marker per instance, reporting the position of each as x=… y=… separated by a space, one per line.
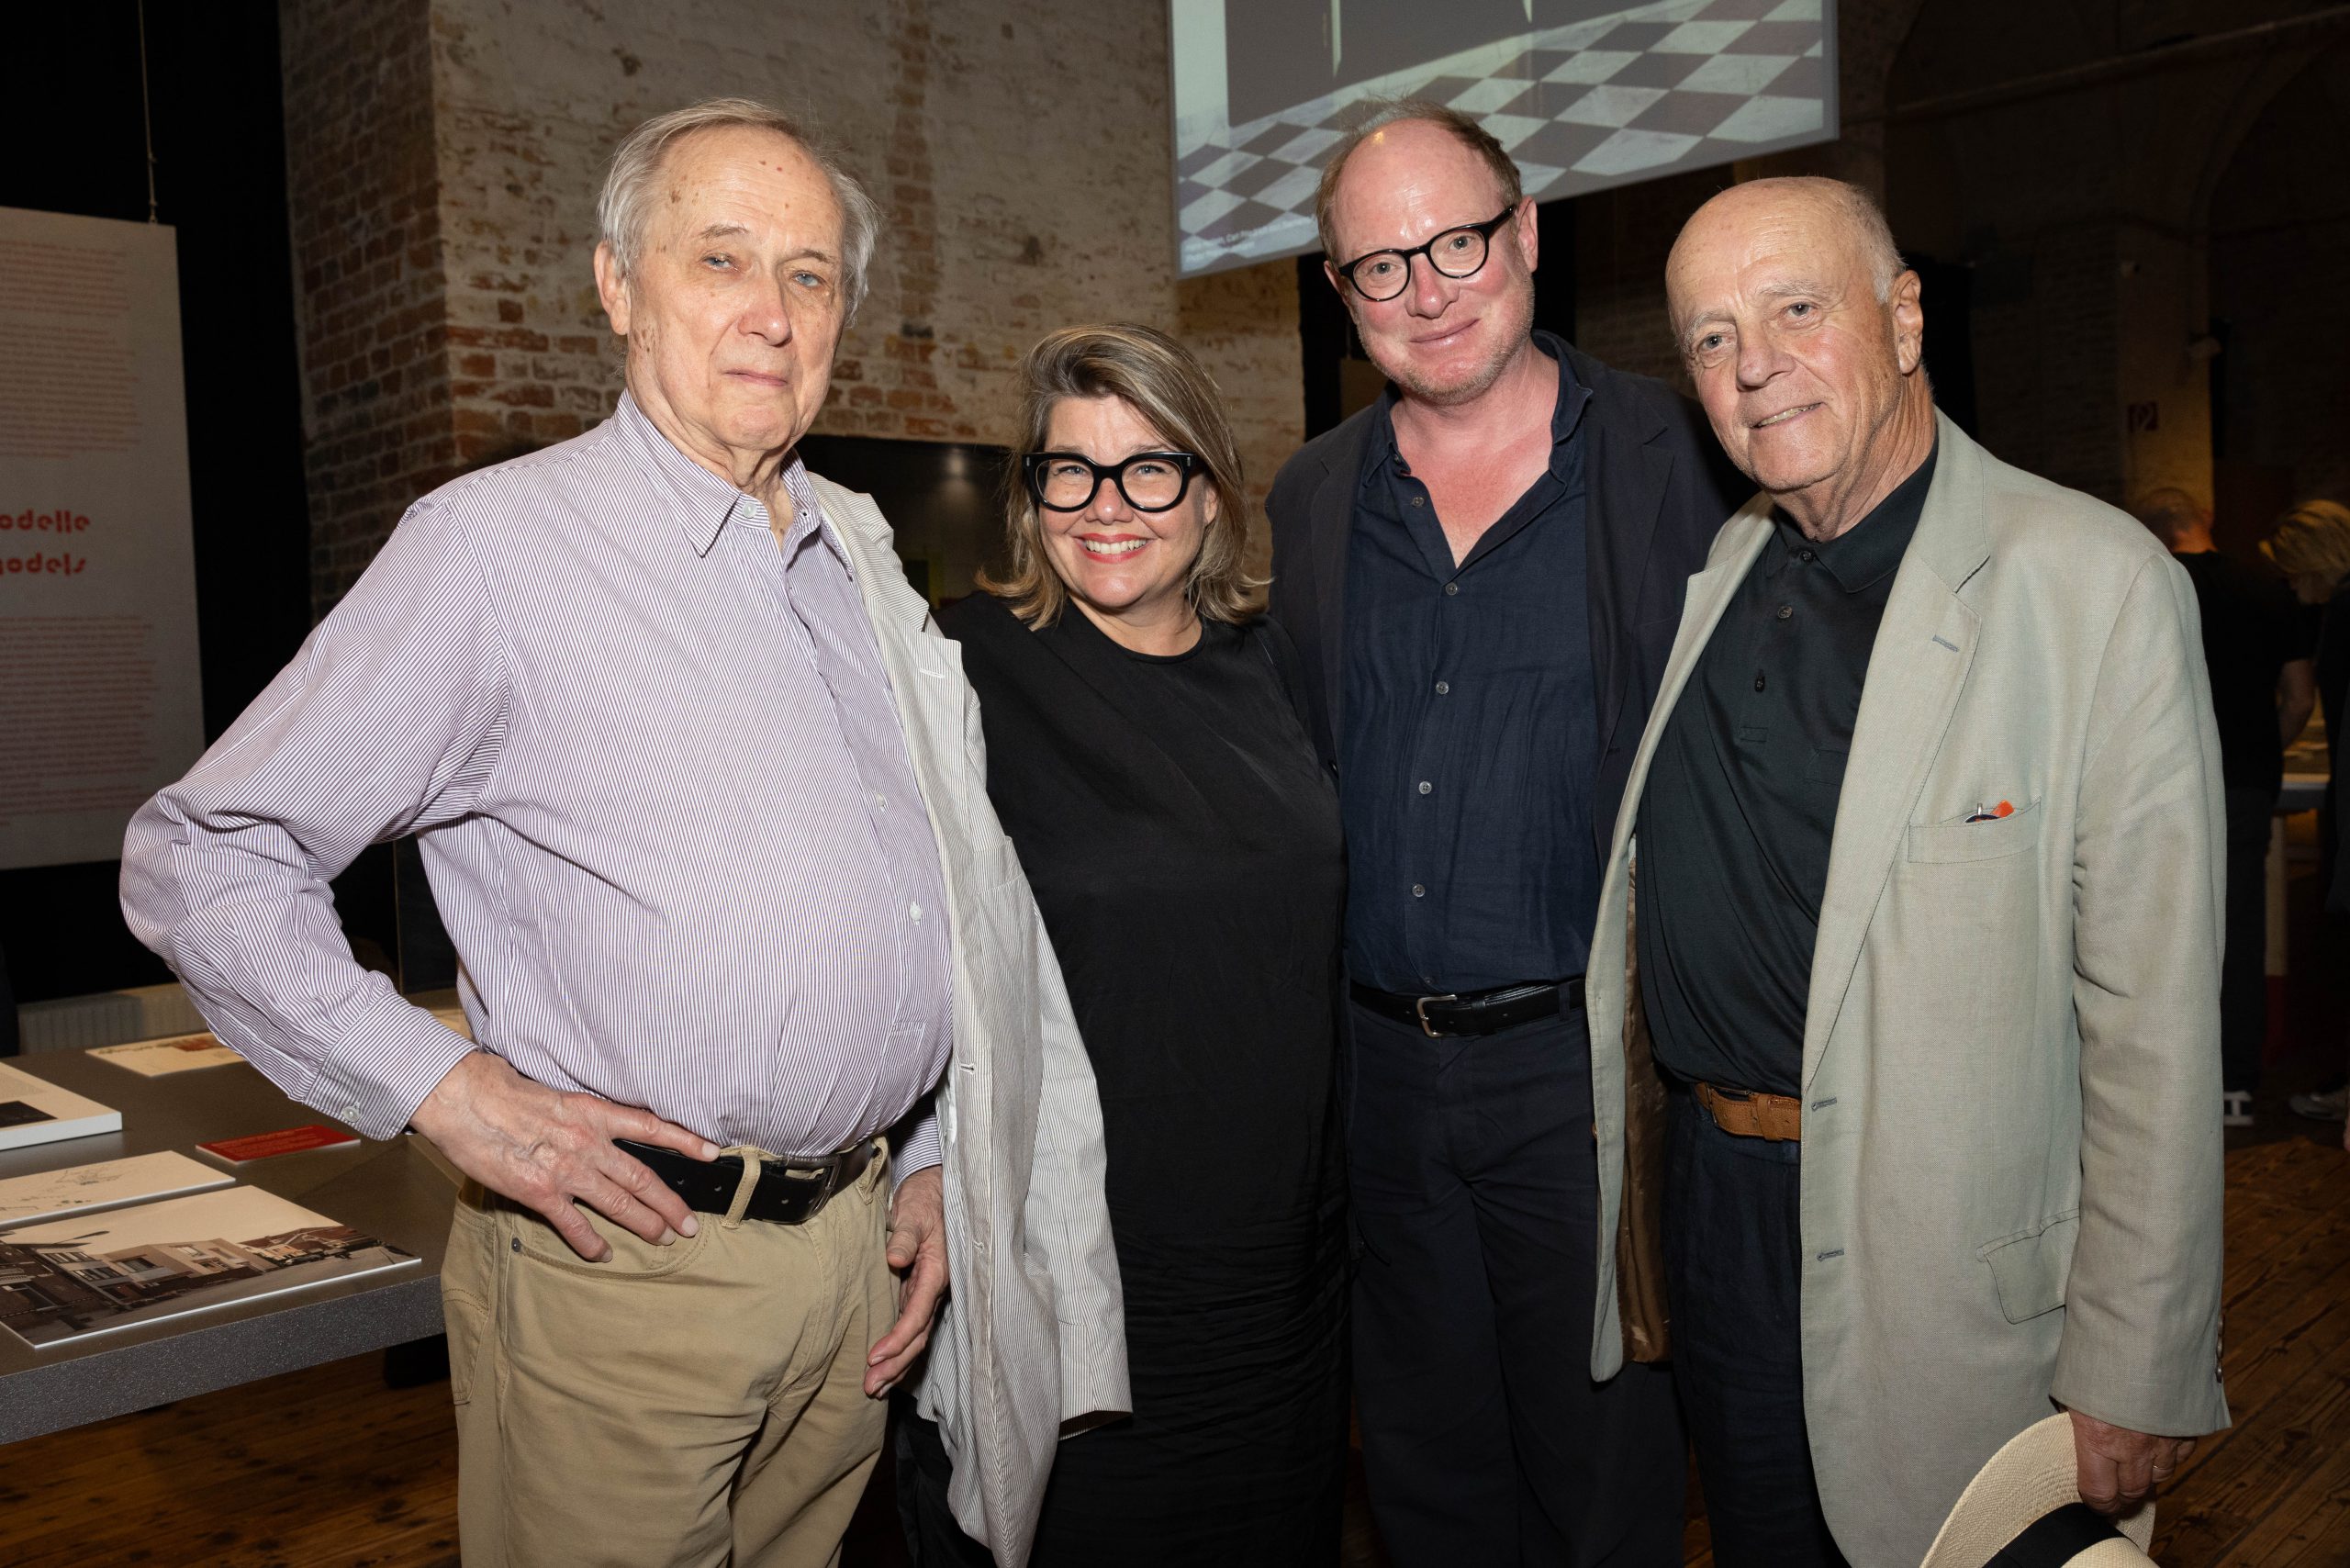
x=921 y=1150
x=380 y=1076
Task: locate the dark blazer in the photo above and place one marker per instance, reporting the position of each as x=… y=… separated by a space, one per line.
x=1658 y=490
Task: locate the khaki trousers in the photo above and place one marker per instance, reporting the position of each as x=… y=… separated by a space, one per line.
x=696 y=1404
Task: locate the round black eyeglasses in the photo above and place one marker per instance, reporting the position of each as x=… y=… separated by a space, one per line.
x=1455 y=253
x=1150 y=481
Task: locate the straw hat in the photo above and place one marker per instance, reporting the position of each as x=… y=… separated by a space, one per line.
x=2031 y=1478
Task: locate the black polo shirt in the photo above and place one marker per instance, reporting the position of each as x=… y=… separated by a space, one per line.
x=1740 y=811
x=1471 y=742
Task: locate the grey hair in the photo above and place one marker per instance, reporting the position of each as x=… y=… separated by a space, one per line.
x=1866 y=219
x=622 y=208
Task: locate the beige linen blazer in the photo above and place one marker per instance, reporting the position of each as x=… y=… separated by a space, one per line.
x=2011 y=1155
x=1032 y=1336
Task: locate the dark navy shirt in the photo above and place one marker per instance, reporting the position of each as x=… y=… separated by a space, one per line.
x=1470 y=729
x=1740 y=813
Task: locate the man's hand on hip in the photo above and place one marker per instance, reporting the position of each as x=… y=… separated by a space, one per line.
x=551 y=1151
x=2119 y=1469
x=918 y=1255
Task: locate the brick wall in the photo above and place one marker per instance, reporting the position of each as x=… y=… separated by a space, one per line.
x=363 y=188
x=2280 y=263
x=1018 y=149
x=2045 y=361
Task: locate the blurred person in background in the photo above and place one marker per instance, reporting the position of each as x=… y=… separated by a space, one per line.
x=2255 y=644
x=2310 y=546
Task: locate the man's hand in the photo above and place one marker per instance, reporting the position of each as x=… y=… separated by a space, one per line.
x=918 y=1255
x=550 y=1151
x=2118 y=1468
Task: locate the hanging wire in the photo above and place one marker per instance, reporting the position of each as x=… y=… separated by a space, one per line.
x=147 y=111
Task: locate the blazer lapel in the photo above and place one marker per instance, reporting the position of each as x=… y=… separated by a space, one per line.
x=1918 y=666
x=1630 y=474
x=1333 y=518
x=1740 y=540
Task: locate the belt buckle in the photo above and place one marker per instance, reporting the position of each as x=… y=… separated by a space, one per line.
x=1420 y=1006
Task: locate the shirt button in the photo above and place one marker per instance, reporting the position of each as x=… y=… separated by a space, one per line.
x=1786 y=611
x=1426 y=786
x=1419 y=500
x=1758 y=680
x=1419 y=892
x=914 y=912
x=1443 y=687
x=882 y=802
x=1806 y=557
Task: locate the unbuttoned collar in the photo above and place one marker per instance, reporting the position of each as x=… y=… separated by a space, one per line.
x=703 y=504
x=1871 y=549
x=1566 y=414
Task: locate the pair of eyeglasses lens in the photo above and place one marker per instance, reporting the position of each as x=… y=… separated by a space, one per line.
x=1150 y=481
x=1457 y=253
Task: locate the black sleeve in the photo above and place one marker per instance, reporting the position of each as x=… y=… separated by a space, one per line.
x=1282 y=654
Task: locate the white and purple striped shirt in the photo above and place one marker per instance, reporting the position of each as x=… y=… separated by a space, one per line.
x=663 y=800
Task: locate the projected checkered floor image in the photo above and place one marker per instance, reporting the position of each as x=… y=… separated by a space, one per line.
x=1683 y=84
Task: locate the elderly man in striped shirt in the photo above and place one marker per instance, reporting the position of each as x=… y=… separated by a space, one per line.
x=698 y=791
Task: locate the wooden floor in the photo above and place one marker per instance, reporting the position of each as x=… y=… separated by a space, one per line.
x=329 y=1469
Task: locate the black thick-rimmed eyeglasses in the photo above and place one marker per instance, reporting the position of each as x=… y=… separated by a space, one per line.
x=1150 y=481
x=1455 y=253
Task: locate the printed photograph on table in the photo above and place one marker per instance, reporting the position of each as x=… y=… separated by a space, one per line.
x=92 y=1273
x=1583 y=93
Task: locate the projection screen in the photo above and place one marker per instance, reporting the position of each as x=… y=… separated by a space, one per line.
x=1584 y=94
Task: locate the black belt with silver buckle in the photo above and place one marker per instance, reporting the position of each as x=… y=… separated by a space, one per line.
x=789 y=1192
x=1476 y=1012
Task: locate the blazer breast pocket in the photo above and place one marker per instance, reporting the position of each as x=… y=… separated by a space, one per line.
x=1994 y=838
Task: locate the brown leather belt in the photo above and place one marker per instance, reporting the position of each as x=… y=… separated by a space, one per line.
x=1775 y=1118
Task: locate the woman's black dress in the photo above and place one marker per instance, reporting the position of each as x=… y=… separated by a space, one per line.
x=1183 y=845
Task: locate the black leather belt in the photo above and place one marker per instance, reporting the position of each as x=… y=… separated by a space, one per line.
x=1476 y=1012
x=789 y=1192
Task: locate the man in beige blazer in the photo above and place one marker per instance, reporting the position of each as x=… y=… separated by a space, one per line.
x=769 y=1042
x=1926 y=831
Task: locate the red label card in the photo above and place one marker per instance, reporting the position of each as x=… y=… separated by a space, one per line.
x=293 y=1140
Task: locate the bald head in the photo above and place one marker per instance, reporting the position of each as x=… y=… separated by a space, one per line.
x=1843 y=210
x=2177 y=518
x=1805 y=337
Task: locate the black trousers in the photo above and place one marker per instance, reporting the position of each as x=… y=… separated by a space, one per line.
x=2244 y=968
x=1733 y=1246
x=1475 y=1196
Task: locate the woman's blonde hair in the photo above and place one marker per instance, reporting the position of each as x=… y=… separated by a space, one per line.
x=2311 y=544
x=1156 y=378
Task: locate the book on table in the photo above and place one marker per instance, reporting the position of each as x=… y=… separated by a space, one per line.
x=175 y=1053
x=62 y=1280
x=33 y=1110
x=110 y=1183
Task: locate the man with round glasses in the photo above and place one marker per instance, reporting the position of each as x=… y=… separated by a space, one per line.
x=1482 y=573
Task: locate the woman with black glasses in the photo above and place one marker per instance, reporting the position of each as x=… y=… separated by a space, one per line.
x=1145 y=755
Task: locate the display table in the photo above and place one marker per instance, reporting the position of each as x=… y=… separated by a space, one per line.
x=393 y=1191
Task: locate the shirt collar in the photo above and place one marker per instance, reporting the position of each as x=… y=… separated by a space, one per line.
x=704 y=503
x=1566 y=414
x=1867 y=553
